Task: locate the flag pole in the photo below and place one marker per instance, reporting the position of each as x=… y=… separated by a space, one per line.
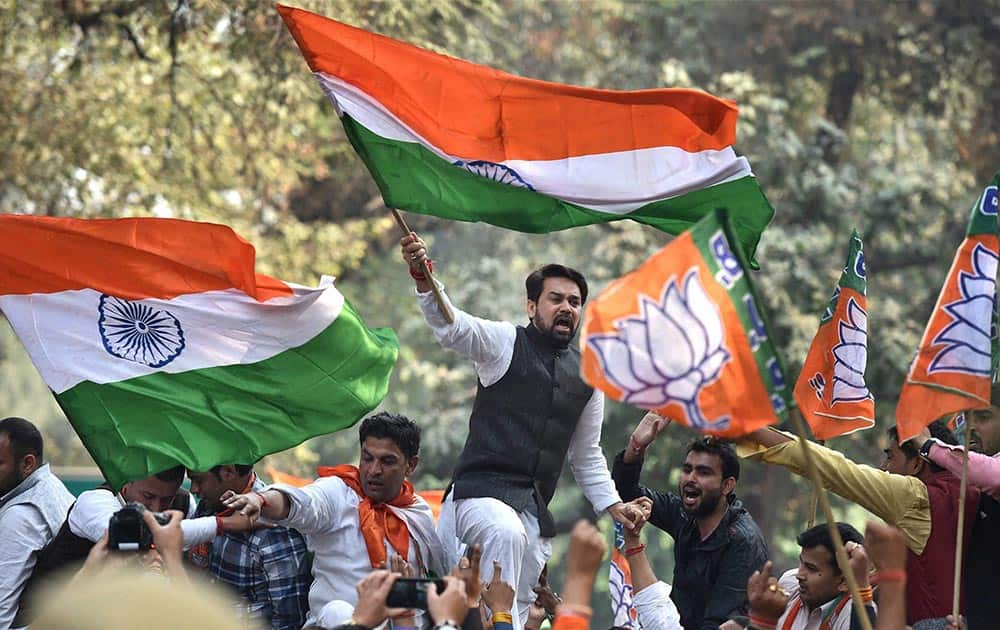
x=838 y=543
x=956 y=593
x=442 y=305
x=813 y=502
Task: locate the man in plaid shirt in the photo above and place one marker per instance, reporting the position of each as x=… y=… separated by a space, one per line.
x=268 y=567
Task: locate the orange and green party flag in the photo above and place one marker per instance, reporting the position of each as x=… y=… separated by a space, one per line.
x=955 y=362
x=831 y=390
x=684 y=335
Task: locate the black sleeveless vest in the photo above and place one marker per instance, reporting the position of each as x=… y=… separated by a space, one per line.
x=521 y=427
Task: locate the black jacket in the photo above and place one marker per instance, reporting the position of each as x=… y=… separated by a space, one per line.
x=710 y=576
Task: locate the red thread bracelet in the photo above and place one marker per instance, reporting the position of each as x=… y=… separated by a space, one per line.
x=219 y=530
x=419 y=274
x=263 y=499
x=761 y=623
x=889 y=575
x=635 y=550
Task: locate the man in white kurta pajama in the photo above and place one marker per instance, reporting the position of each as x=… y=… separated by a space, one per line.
x=532 y=413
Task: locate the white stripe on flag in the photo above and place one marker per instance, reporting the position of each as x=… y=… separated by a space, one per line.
x=62 y=334
x=616 y=183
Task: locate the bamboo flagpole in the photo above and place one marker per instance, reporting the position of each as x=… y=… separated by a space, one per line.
x=956 y=593
x=838 y=543
x=442 y=305
x=814 y=501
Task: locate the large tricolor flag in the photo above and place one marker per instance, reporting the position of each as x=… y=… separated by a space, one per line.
x=164 y=347
x=831 y=391
x=684 y=336
x=954 y=365
x=450 y=138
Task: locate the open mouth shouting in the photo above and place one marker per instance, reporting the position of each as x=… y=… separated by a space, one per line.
x=563 y=325
x=690 y=495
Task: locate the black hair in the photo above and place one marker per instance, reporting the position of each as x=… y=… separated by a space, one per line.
x=938 y=430
x=396 y=427
x=241 y=469
x=819 y=536
x=24 y=437
x=723 y=449
x=536 y=280
x=171 y=475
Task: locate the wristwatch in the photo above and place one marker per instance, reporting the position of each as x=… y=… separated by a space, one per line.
x=925 y=449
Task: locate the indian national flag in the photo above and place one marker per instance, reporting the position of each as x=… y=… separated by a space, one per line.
x=956 y=359
x=684 y=335
x=453 y=139
x=831 y=391
x=164 y=347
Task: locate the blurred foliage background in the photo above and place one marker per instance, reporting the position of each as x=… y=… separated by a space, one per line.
x=880 y=116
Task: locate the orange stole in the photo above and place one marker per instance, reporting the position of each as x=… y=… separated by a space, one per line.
x=378 y=522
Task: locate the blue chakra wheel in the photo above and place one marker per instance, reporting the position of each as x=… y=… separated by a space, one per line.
x=494 y=171
x=138 y=332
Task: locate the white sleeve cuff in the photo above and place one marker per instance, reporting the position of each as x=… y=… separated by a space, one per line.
x=198 y=530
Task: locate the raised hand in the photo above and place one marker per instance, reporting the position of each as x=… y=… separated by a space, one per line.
x=468 y=571
x=767 y=599
x=413 y=250
x=451 y=605
x=497 y=594
x=248 y=505
x=857 y=557
x=648 y=429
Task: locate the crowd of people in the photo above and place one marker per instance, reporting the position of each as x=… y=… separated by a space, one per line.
x=359 y=548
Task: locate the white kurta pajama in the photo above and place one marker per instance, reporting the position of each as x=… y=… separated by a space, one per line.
x=326 y=513
x=508 y=536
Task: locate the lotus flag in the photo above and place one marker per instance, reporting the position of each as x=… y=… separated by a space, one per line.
x=164 y=347
x=954 y=364
x=457 y=140
x=620 y=585
x=831 y=390
x=683 y=335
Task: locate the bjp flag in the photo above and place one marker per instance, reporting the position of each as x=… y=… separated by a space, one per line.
x=831 y=390
x=683 y=335
x=953 y=368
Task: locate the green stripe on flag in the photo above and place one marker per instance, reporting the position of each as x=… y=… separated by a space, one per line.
x=413 y=178
x=713 y=238
x=234 y=414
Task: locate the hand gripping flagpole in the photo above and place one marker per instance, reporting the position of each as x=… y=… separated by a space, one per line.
x=442 y=305
x=956 y=593
x=840 y=553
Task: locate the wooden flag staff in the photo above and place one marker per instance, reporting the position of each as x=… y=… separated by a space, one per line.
x=442 y=305
x=838 y=543
x=956 y=593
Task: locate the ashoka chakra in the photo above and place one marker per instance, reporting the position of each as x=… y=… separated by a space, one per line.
x=138 y=332
x=494 y=171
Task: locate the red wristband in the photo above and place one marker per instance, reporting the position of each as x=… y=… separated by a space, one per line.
x=761 y=623
x=635 y=447
x=889 y=575
x=263 y=499
x=419 y=274
x=218 y=526
x=634 y=550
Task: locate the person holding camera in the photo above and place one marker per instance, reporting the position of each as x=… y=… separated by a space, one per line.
x=33 y=504
x=268 y=567
x=355 y=517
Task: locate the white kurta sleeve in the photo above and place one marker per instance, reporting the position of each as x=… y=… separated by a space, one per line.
x=586 y=459
x=313 y=507
x=655 y=609
x=489 y=344
x=91 y=513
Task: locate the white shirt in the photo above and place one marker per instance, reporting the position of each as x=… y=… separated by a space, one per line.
x=655 y=609
x=326 y=513
x=490 y=345
x=89 y=518
x=811 y=619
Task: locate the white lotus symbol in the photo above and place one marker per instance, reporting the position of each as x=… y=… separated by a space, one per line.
x=688 y=354
x=967 y=337
x=850 y=356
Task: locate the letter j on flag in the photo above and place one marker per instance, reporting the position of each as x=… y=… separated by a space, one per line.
x=684 y=336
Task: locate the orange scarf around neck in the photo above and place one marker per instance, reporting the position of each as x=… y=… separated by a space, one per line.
x=378 y=522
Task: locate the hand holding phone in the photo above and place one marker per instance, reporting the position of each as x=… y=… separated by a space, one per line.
x=412 y=592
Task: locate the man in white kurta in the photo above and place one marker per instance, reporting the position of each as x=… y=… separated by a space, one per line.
x=532 y=413
x=329 y=513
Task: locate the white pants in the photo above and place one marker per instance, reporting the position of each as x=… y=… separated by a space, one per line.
x=505 y=535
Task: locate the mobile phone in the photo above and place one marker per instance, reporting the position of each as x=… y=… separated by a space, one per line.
x=412 y=592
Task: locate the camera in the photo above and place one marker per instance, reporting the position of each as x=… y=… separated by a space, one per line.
x=412 y=592
x=127 y=530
